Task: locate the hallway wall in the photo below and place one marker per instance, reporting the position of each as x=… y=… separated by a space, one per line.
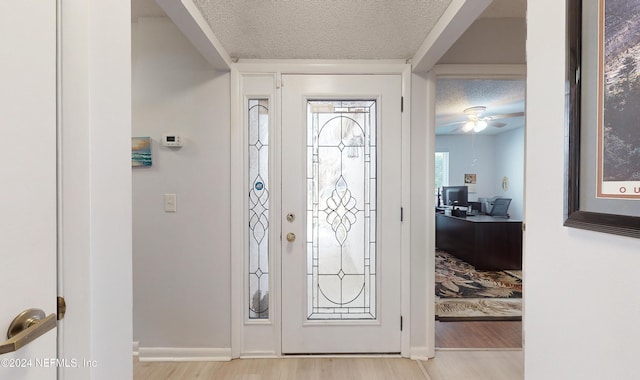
x=181 y=260
x=581 y=317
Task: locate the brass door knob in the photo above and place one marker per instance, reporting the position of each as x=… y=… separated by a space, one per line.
x=291 y=237
x=26 y=327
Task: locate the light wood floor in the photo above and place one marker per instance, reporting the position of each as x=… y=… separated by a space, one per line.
x=447 y=365
x=476 y=365
x=283 y=369
x=455 y=364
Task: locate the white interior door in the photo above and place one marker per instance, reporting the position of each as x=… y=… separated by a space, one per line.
x=341 y=207
x=28 y=235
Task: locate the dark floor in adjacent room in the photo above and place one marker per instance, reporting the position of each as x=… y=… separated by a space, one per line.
x=479 y=334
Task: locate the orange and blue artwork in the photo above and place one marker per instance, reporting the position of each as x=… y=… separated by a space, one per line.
x=141 y=151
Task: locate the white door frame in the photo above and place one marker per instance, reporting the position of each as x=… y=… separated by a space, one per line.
x=455 y=71
x=94 y=224
x=274 y=70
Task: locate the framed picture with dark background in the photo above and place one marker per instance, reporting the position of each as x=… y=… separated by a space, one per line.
x=602 y=163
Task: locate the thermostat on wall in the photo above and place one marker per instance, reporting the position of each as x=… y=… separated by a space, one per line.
x=171 y=140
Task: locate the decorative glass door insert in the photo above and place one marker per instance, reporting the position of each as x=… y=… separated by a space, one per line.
x=341 y=209
x=340 y=200
x=258 y=129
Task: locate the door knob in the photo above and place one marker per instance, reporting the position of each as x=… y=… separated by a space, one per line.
x=291 y=237
x=25 y=328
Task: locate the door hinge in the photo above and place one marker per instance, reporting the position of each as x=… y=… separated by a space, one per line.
x=402 y=104
x=401 y=323
x=62 y=307
x=524 y=227
x=402 y=214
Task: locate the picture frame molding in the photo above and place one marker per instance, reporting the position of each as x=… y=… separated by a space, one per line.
x=574 y=215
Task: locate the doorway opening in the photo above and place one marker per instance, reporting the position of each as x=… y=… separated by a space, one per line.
x=480 y=135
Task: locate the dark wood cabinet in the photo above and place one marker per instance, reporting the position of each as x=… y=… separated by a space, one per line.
x=486 y=242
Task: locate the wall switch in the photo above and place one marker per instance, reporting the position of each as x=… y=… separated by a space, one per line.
x=170 y=203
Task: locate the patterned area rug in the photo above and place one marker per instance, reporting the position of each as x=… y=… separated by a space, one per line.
x=463 y=293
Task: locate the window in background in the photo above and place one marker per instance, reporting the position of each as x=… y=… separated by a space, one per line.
x=442 y=170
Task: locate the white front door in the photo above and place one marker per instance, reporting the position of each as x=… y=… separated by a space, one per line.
x=341 y=211
x=28 y=235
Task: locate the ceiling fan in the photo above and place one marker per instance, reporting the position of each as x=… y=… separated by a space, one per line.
x=478 y=122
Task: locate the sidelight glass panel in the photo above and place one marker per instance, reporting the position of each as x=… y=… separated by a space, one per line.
x=341 y=209
x=258 y=124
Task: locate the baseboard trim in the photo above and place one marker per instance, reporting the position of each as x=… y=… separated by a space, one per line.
x=136 y=348
x=478 y=349
x=180 y=354
x=258 y=354
x=419 y=353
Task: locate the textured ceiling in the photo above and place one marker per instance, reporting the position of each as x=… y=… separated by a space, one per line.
x=316 y=29
x=499 y=97
x=355 y=29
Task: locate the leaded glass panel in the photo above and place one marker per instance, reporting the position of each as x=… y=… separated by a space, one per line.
x=341 y=209
x=258 y=124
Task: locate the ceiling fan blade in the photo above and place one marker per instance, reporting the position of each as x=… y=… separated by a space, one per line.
x=507 y=115
x=497 y=124
x=452 y=124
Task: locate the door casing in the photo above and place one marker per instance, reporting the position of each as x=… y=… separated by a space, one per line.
x=262 y=338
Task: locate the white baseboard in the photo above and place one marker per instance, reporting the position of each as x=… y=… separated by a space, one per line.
x=258 y=354
x=180 y=354
x=136 y=348
x=419 y=353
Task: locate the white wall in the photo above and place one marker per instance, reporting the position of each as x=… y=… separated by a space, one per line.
x=181 y=260
x=470 y=154
x=490 y=40
x=510 y=163
x=490 y=158
x=581 y=288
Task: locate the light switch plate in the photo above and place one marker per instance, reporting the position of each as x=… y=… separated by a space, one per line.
x=170 y=203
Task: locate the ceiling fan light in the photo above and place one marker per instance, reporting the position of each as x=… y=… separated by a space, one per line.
x=470 y=125
x=480 y=126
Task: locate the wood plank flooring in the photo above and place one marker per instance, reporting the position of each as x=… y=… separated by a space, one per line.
x=448 y=364
x=283 y=369
x=476 y=365
x=480 y=334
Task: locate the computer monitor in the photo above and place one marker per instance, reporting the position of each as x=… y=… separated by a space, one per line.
x=455 y=196
x=500 y=207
